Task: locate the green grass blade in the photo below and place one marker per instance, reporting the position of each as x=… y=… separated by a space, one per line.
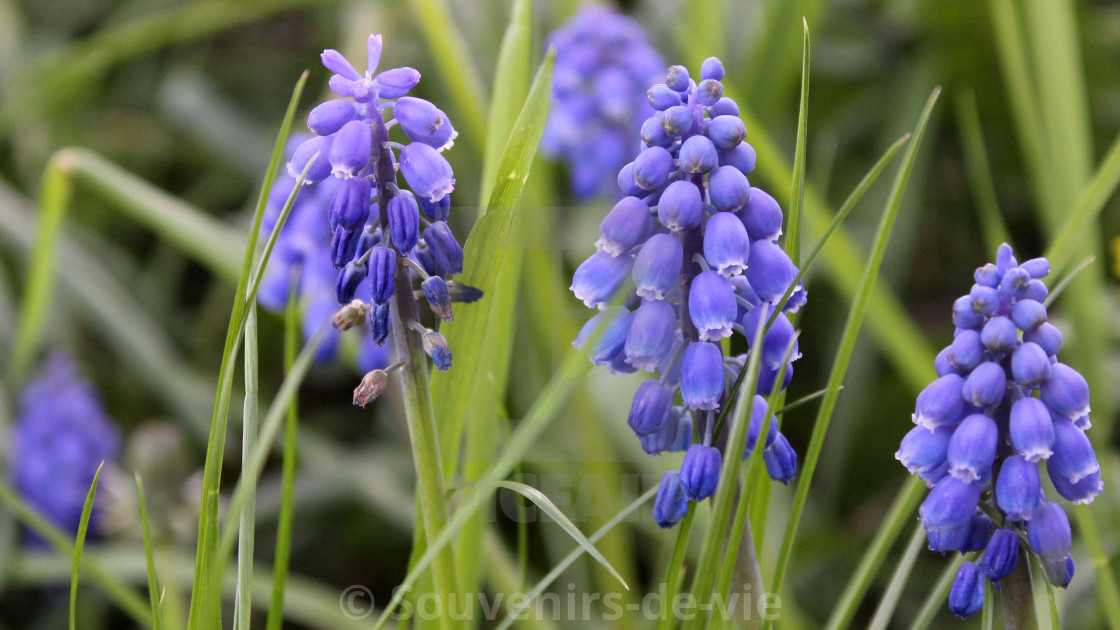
x=149 y=557
x=988 y=615
x=511 y=85
x=674 y=577
x=437 y=24
x=797 y=187
x=483 y=251
x=1102 y=570
x=270 y=428
x=243 y=599
x=79 y=544
x=896 y=518
x=549 y=508
x=54 y=199
x=889 y=601
x=848 y=340
x=1100 y=189
x=570 y=559
x=935 y=600
x=204 y=594
x=1062 y=284
x=288 y=467
x=117 y=591
x=547 y=406
x=992 y=227
x=213 y=243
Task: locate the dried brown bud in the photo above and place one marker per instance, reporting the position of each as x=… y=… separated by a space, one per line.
x=373 y=383
x=350 y=315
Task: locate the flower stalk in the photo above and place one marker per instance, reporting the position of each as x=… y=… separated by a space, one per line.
x=1017 y=592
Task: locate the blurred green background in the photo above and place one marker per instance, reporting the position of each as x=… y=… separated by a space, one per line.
x=187 y=96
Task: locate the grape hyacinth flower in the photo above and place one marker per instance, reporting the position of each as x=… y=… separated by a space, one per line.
x=694 y=245
x=604 y=62
x=1002 y=407
x=384 y=238
x=61 y=436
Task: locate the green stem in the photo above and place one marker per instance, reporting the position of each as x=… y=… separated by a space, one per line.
x=1018 y=597
x=415 y=387
x=247 y=529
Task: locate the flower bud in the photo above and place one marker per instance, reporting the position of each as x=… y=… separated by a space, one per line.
x=760 y=412
x=999 y=334
x=767 y=377
x=670 y=506
x=1048 y=337
x=986 y=385
x=1001 y=556
x=712 y=305
x=677 y=78
x=780 y=460
x=317 y=147
x=966 y=598
x=379 y=323
x=1018 y=488
x=923 y=450
x=762 y=216
x=972 y=449
x=348 y=281
x=700 y=472
x=769 y=270
x=1030 y=365
x=330 y=116
x=1036 y=291
x=651 y=336
x=1032 y=431
x=445 y=251
x=1066 y=393
x=651 y=168
x=1082 y=492
x=382 y=269
x=947 y=513
x=435 y=291
x=427 y=172
x=711 y=68
x=985 y=301
x=337 y=63
x=1028 y=315
x=649 y=411
x=708 y=92
x=597 y=278
x=373 y=383
x=1015 y=283
x=727 y=132
x=423 y=122
x=674 y=436
x=942 y=365
x=728 y=188
x=742 y=157
x=979 y=533
x=344 y=244
x=987 y=276
x=1049 y=532
x=940 y=403
x=776 y=341
x=657 y=267
x=404 y=221
x=662 y=97
x=1037 y=267
x=966 y=351
x=702 y=376
x=626 y=182
x=1059 y=572
x=350 y=150
x=680 y=206
x=625 y=227
x=653 y=132
x=350 y=204
x=396 y=82
x=698 y=155
x=1073 y=457
x=1005 y=259
x=435 y=346
x=677 y=120
x=436 y=210
x=964 y=315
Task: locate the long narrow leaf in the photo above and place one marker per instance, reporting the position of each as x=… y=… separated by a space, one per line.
x=935 y=600
x=797 y=188
x=848 y=340
x=79 y=544
x=549 y=508
x=511 y=85
x=149 y=557
x=889 y=600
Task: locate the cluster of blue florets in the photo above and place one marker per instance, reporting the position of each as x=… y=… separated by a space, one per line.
x=604 y=63
x=1002 y=406
x=379 y=241
x=695 y=247
x=61 y=436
